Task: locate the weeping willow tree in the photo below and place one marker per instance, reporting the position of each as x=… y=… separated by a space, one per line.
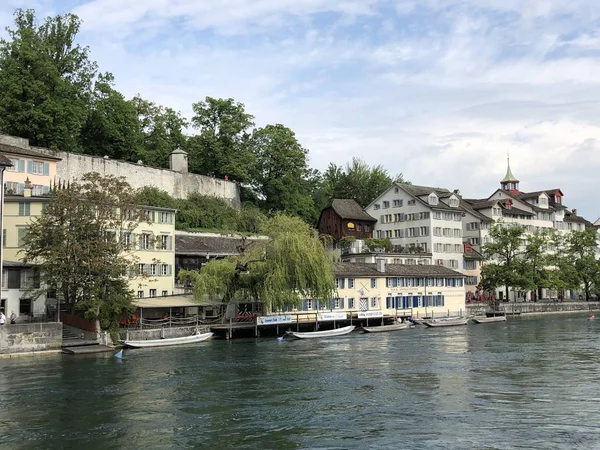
x=278 y=272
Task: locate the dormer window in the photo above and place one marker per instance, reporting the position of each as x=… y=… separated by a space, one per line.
x=453 y=202
x=557 y=198
x=543 y=201
x=433 y=199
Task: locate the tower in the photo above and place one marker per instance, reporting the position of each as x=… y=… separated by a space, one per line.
x=178 y=161
x=509 y=182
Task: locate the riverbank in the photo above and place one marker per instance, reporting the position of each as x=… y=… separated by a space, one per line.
x=536 y=308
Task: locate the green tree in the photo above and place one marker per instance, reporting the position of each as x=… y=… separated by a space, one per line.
x=536 y=260
x=503 y=253
x=357 y=181
x=281 y=177
x=223 y=146
x=162 y=132
x=79 y=246
x=580 y=268
x=45 y=81
x=288 y=267
x=111 y=128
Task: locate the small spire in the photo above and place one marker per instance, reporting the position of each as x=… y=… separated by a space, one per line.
x=509 y=177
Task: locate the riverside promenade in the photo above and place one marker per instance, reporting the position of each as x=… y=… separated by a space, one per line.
x=533 y=308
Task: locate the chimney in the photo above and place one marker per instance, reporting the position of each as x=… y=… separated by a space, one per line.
x=27 y=189
x=380 y=265
x=574 y=211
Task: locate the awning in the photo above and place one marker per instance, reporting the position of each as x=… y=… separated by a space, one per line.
x=175 y=301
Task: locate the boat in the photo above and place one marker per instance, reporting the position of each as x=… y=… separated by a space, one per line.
x=394 y=327
x=199 y=337
x=321 y=334
x=446 y=322
x=488 y=319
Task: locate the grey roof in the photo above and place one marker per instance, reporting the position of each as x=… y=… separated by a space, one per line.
x=212 y=244
x=419 y=191
x=397 y=270
x=481 y=204
x=16 y=265
x=537 y=193
x=467 y=207
x=22 y=151
x=570 y=217
x=472 y=254
x=350 y=209
x=513 y=210
x=4 y=161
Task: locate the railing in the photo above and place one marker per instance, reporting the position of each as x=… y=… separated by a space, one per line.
x=173 y=322
x=78 y=322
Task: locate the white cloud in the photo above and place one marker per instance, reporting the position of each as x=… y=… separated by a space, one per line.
x=440 y=90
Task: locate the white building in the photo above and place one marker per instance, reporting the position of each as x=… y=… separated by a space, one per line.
x=425 y=219
x=535 y=210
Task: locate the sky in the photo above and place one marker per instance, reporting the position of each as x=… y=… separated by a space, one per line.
x=438 y=90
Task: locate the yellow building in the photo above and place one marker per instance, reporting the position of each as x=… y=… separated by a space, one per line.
x=472 y=265
x=28 y=164
x=152 y=243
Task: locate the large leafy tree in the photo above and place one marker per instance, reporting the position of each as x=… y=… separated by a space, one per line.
x=112 y=126
x=45 y=80
x=504 y=262
x=580 y=268
x=357 y=180
x=536 y=261
x=223 y=147
x=291 y=265
x=281 y=177
x=80 y=245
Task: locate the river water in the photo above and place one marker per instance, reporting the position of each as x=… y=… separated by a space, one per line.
x=528 y=383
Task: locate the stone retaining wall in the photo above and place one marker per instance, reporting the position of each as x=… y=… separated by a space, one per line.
x=30 y=337
x=535 y=307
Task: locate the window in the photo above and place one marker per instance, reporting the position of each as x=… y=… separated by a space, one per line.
x=433 y=199
x=457 y=232
x=165 y=242
x=153 y=271
x=471 y=280
x=152 y=292
x=165 y=293
x=15 y=165
x=38 y=167
x=350 y=283
x=145 y=241
x=376 y=206
x=24 y=209
x=397 y=203
x=127 y=239
x=336 y=303
x=458 y=248
x=373 y=283
x=25 y=306
x=386 y=204
x=13 y=278
x=470 y=265
x=373 y=302
x=165 y=269
x=411 y=202
x=140 y=294
x=367 y=228
x=350 y=303
x=22 y=233
x=141 y=269
x=165 y=217
x=309 y=304
x=149 y=215
x=437 y=231
x=453 y=202
x=424 y=231
x=339 y=283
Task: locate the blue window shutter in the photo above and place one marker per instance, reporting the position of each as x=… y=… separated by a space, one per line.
x=46 y=168
x=342 y=283
x=317 y=305
x=341 y=303
x=21 y=165
x=29 y=166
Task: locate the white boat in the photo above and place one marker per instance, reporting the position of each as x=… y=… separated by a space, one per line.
x=199 y=337
x=321 y=334
x=446 y=322
x=394 y=327
x=489 y=319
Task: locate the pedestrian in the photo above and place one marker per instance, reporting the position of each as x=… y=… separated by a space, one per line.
x=2 y=318
x=13 y=318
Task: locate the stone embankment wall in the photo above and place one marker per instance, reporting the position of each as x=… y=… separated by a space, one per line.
x=164 y=333
x=30 y=337
x=177 y=184
x=536 y=307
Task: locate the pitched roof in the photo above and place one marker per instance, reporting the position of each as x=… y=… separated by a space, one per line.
x=481 y=204
x=22 y=151
x=349 y=209
x=472 y=254
x=212 y=244
x=399 y=270
x=419 y=191
x=513 y=210
x=4 y=161
x=509 y=177
x=537 y=193
x=570 y=217
x=467 y=207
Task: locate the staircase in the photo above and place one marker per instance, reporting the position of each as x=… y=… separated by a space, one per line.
x=68 y=334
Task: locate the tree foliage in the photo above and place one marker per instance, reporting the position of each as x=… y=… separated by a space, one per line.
x=278 y=272
x=582 y=269
x=79 y=247
x=45 y=81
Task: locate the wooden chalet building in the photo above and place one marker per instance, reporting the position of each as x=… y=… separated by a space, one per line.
x=345 y=217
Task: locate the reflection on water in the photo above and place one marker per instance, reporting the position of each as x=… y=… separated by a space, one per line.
x=527 y=383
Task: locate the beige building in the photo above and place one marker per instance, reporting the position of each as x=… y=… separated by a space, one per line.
x=153 y=252
x=385 y=290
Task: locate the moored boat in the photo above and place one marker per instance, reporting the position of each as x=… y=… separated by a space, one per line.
x=321 y=334
x=199 y=337
x=394 y=327
x=446 y=322
x=489 y=319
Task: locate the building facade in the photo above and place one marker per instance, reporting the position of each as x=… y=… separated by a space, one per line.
x=152 y=246
x=421 y=218
x=344 y=218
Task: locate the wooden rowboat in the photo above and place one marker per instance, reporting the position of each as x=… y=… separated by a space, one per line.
x=489 y=319
x=168 y=341
x=394 y=327
x=321 y=334
x=446 y=322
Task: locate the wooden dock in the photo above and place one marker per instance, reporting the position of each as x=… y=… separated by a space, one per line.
x=87 y=349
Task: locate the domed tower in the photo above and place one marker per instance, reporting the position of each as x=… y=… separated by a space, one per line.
x=509 y=182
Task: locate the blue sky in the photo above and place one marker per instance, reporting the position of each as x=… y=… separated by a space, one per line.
x=439 y=90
